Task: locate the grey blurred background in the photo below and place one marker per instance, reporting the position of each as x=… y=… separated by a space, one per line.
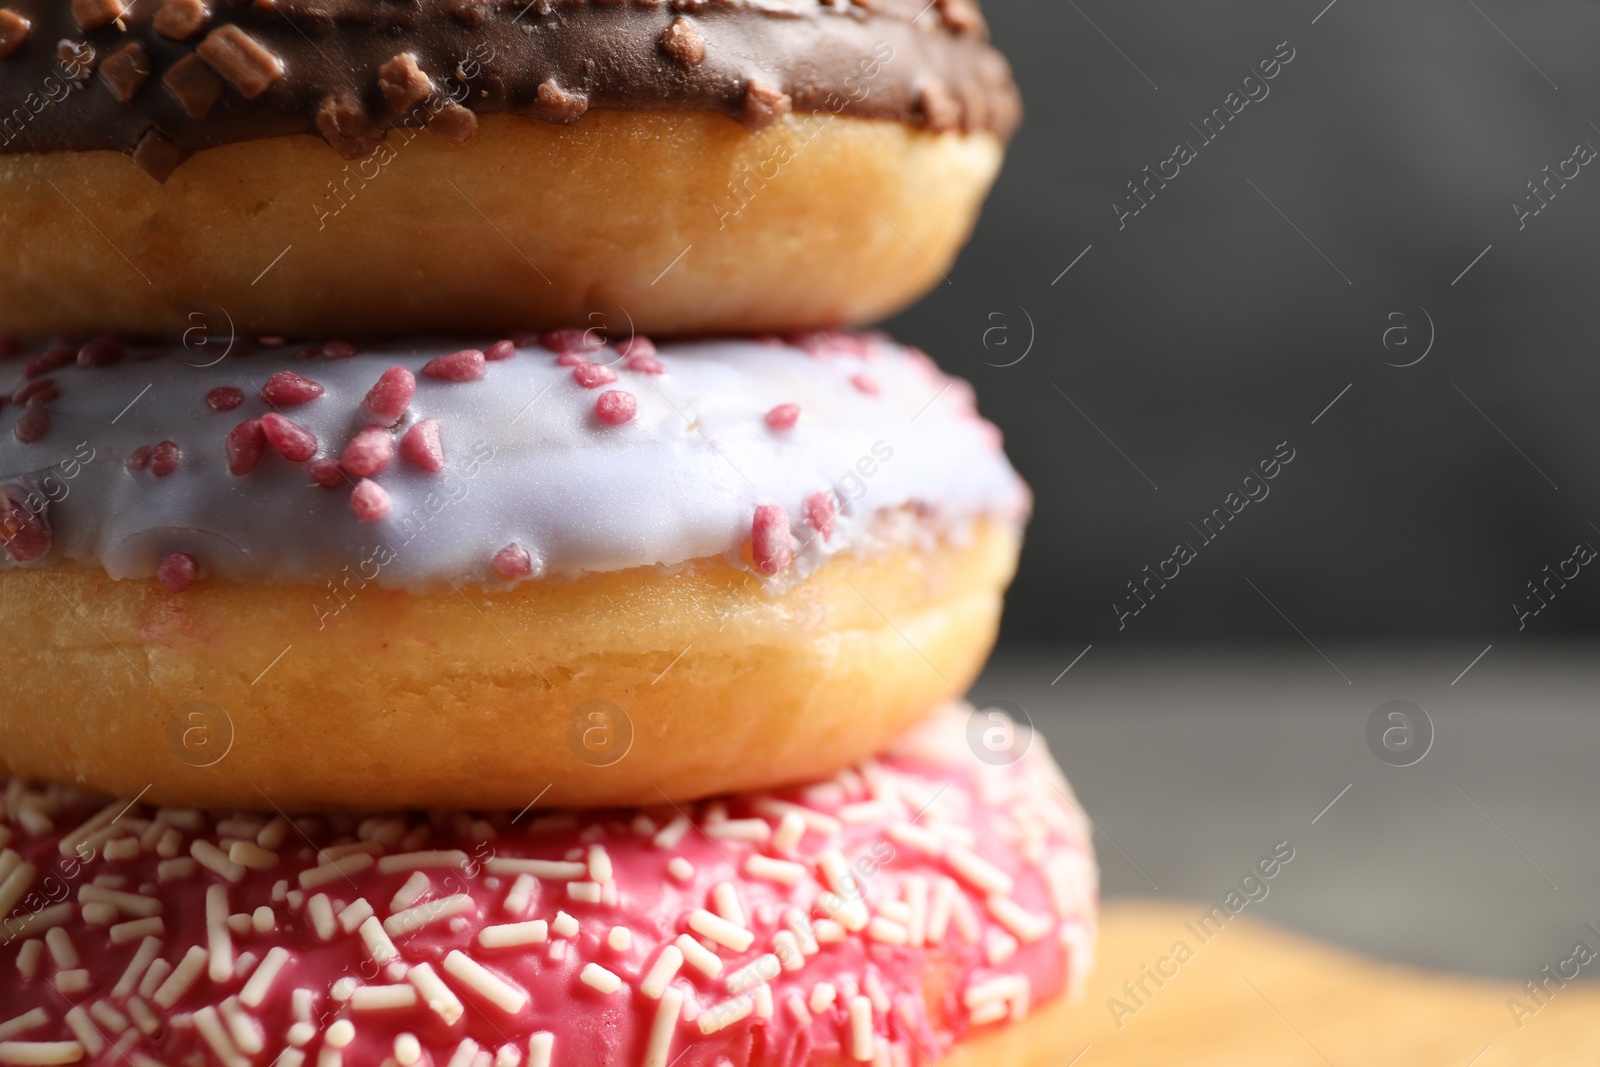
x=1258 y=285
x=1141 y=371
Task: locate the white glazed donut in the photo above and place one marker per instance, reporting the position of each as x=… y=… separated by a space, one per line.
x=401 y=576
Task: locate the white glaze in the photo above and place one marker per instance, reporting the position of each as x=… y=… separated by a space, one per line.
x=527 y=461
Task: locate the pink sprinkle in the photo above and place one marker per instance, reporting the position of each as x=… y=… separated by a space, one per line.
x=164 y=458
x=33 y=425
x=178 y=571
x=338 y=350
x=59 y=356
x=866 y=383
x=370 y=501
x=783 y=417
x=421 y=446
x=368 y=452
x=38 y=398
x=645 y=365
x=326 y=473
x=101 y=352
x=616 y=406
x=273 y=341
x=820 y=510
x=389 y=398
x=308 y=353
x=593 y=375
x=571 y=359
x=637 y=345
x=286 y=389
x=769 y=539
x=138 y=459
x=500 y=350
x=25 y=531
x=571 y=340
x=224 y=398
x=513 y=561
x=293 y=441
x=246 y=443
x=466 y=365
x=38 y=385
x=524 y=339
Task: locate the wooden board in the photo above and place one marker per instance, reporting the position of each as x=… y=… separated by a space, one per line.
x=1256 y=994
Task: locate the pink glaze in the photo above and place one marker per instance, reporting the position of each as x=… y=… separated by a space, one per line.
x=935 y=895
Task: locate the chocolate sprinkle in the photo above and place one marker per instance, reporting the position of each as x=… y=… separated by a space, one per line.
x=238 y=71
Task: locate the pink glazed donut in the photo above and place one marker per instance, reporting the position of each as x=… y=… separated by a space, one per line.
x=924 y=905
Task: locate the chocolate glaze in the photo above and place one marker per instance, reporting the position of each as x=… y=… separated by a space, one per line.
x=172 y=77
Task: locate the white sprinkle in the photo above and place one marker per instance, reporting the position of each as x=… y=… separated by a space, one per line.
x=584 y=892
x=564 y=925
x=465 y=1053
x=851 y=914
x=21 y=1024
x=1001 y=947
x=822 y=997
x=99 y=914
x=219 y=940
x=977 y=871
x=320 y=909
x=301 y=1033
x=663 y=1028
x=378 y=944
x=1001 y=987
x=123 y=849
x=887 y=931
x=144 y=1018
x=42 y=920
x=619 y=938
x=680 y=869
x=484 y=982
x=339 y=852
x=797 y=1008
x=16 y=882
x=668 y=836
x=340 y=1034
x=599 y=864
x=106 y=1014
x=863 y=812
x=944 y=894
x=407 y=1050
x=916 y=894
x=153 y=977
x=990 y=1012
x=598 y=978
x=345 y=988
x=175 y=870
x=836 y=873
x=243 y=1028
x=828 y=931
x=238 y=923
x=725 y=1014
x=720 y=930
x=507 y=1056
x=874 y=991
x=860 y=1029
x=263 y=920
x=551 y=870
x=182 y=978
x=762 y=995
x=411 y=920
x=662 y=971
x=85 y=1031
x=274 y=833
x=342 y=867
x=787 y=949
x=251 y=855
x=73 y=981
x=435 y=994
x=800 y=926
x=698 y=956
x=966 y=923
x=69 y=843
x=826 y=825
x=557 y=950
x=256 y=989
x=211 y=1029
x=358 y=912
x=382 y=997
x=791 y=828
x=783 y=872
x=132 y=904
x=726 y=900
x=540 y=1045
x=40 y=1053
x=753 y=830
x=514 y=935
x=62 y=950
x=416 y=887
x=215 y=860
x=1020 y=921
x=418 y=861
x=758 y=971
x=520 y=897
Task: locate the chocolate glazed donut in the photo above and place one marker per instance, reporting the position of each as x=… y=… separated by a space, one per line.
x=689 y=164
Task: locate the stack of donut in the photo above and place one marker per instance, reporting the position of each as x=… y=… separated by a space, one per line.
x=468 y=601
